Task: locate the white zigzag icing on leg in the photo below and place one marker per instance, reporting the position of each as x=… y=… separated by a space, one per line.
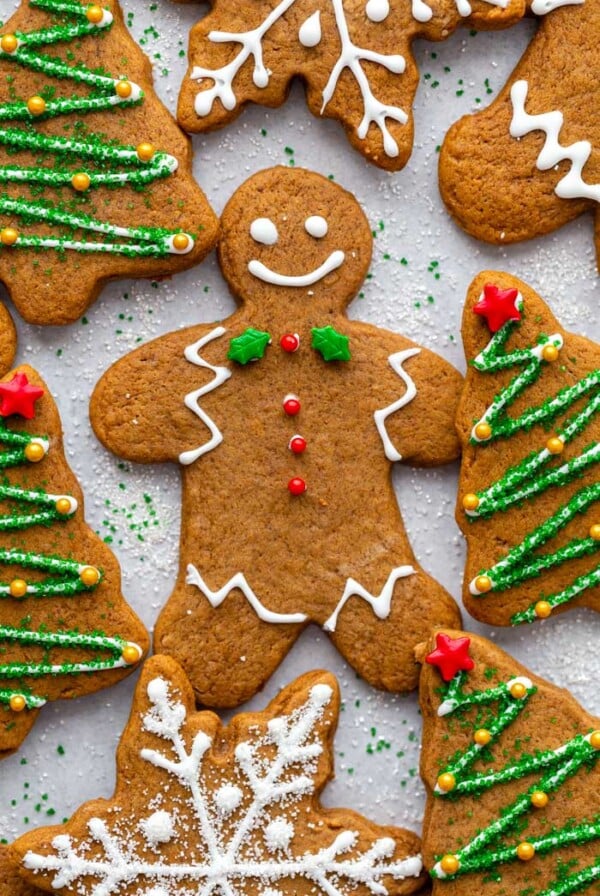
x=381 y=603
x=572 y=185
x=396 y=361
x=192 y=354
x=216 y=598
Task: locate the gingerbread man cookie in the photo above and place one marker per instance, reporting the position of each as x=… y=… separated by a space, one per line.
x=8 y=340
x=207 y=809
x=286 y=419
x=96 y=176
x=531 y=162
x=354 y=58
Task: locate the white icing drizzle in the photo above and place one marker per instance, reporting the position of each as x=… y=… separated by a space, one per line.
x=262 y=272
x=381 y=603
x=543 y=7
x=309 y=33
x=377 y=10
x=316 y=226
x=572 y=185
x=216 y=598
x=192 y=354
x=275 y=771
x=396 y=361
x=423 y=13
x=263 y=230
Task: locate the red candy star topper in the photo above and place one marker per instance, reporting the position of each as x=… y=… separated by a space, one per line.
x=497 y=306
x=451 y=655
x=18 y=396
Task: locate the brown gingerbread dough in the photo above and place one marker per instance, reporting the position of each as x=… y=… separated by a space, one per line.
x=11 y=882
x=8 y=340
x=258 y=562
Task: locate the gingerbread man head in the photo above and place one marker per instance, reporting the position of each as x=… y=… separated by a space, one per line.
x=289 y=236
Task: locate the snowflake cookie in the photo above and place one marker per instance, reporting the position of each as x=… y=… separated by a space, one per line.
x=355 y=59
x=96 y=176
x=206 y=809
x=286 y=419
x=529 y=490
x=11 y=882
x=531 y=162
x=510 y=764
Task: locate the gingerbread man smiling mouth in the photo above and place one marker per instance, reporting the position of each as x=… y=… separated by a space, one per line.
x=286 y=418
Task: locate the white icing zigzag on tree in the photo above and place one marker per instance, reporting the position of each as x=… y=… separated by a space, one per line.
x=192 y=354
x=272 y=775
x=216 y=598
x=572 y=185
x=396 y=361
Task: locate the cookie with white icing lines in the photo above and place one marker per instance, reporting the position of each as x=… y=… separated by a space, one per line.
x=529 y=491
x=204 y=808
x=511 y=766
x=355 y=60
x=530 y=162
x=96 y=176
x=286 y=419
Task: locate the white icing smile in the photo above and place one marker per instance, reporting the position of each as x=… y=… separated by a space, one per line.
x=258 y=269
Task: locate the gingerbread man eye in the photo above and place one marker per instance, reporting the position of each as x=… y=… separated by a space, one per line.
x=316 y=226
x=263 y=230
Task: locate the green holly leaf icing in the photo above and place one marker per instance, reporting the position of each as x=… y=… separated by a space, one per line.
x=333 y=346
x=250 y=346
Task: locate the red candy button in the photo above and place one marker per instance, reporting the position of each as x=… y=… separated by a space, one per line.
x=297 y=445
x=290 y=342
x=291 y=405
x=296 y=486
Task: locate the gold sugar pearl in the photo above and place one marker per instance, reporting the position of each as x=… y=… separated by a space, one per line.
x=81 y=181
x=595 y=531
x=595 y=740
x=449 y=864
x=63 y=506
x=145 y=152
x=483 y=431
x=483 y=584
x=130 y=654
x=446 y=782
x=17 y=702
x=525 y=851
x=539 y=799
x=9 y=43
x=90 y=576
x=94 y=14
x=555 y=445
x=181 y=241
x=550 y=352
x=518 y=690
x=542 y=609
x=470 y=501
x=482 y=737
x=18 y=588
x=34 y=452
x=36 y=105
x=123 y=89
x=9 y=236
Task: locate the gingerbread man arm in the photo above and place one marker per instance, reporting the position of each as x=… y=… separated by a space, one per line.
x=419 y=393
x=146 y=406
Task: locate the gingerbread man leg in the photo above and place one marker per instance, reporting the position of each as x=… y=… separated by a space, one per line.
x=227 y=663
x=382 y=650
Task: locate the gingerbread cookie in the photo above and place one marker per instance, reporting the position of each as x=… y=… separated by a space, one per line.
x=11 y=882
x=510 y=764
x=530 y=162
x=355 y=60
x=65 y=629
x=286 y=419
x=206 y=809
x=529 y=488
x=8 y=340
x=96 y=175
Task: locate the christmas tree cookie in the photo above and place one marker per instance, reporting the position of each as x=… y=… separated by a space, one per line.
x=530 y=162
x=286 y=419
x=200 y=808
x=529 y=488
x=96 y=176
x=65 y=629
x=355 y=60
x=510 y=764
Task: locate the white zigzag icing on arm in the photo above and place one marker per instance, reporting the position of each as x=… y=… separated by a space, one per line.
x=396 y=361
x=216 y=598
x=381 y=603
x=192 y=354
x=572 y=185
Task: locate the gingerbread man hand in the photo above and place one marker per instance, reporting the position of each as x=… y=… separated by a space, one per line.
x=285 y=419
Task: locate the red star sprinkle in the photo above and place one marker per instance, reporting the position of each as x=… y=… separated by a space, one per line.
x=19 y=397
x=451 y=655
x=497 y=306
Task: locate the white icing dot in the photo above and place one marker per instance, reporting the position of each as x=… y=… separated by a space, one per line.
x=263 y=230
x=316 y=226
x=278 y=834
x=309 y=34
x=377 y=10
x=157 y=690
x=158 y=827
x=227 y=798
x=321 y=693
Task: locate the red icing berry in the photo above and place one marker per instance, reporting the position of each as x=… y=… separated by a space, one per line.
x=291 y=405
x=18 y=396
x=297 y=444
x=290 y=342
x=497 y=306
x=450 y=656
x=296 y=486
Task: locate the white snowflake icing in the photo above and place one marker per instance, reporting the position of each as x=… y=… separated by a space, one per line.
x=158 y=827
x=273 y=772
